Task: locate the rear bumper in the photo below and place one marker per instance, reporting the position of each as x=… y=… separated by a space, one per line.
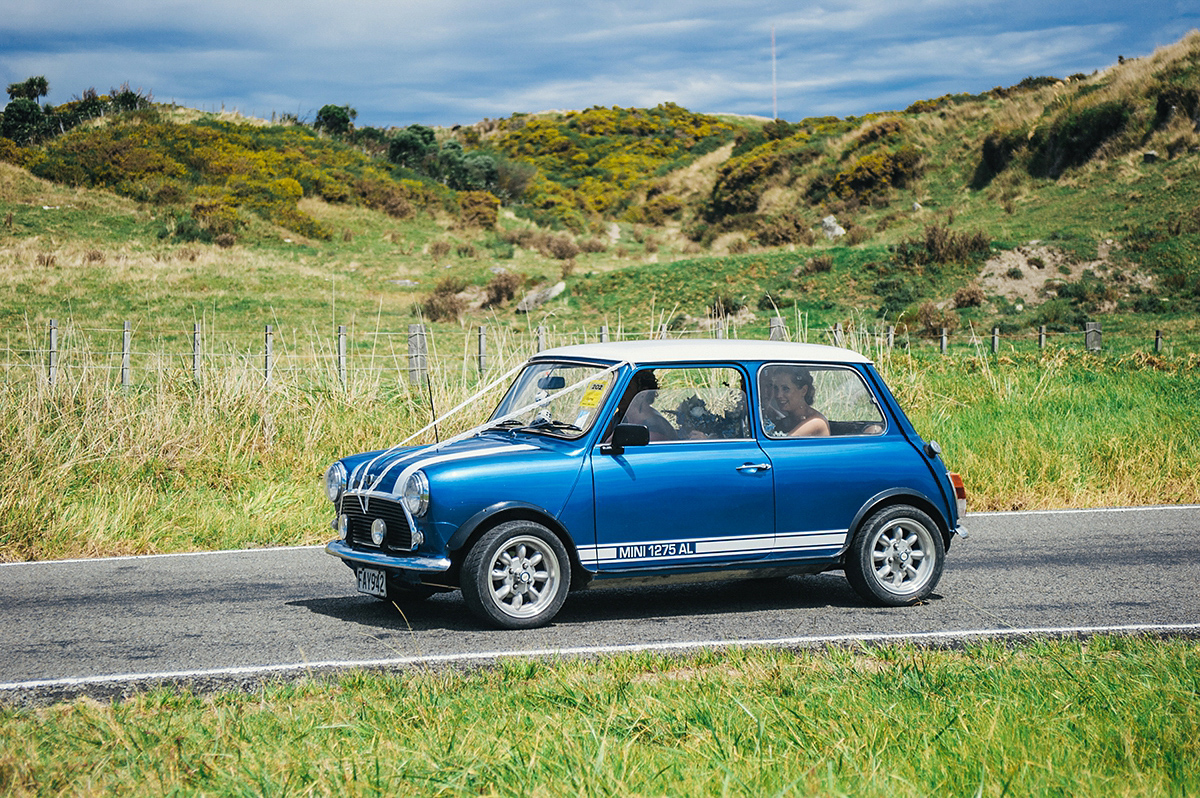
x=353 y=557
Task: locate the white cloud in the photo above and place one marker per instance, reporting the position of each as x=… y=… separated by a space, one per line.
x=453 y=61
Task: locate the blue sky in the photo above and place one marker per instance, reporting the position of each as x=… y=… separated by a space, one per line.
x=447 y=62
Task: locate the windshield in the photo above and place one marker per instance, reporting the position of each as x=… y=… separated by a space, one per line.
x=557 y=398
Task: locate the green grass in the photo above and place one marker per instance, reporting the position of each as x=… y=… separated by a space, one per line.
x=1110 y=716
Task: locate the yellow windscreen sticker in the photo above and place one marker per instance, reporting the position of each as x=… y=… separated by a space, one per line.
x=593 y=394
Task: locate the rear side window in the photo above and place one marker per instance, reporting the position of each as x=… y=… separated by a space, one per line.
x=800 y=401
x=682 y=404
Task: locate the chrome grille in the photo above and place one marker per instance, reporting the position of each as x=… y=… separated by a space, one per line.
x=398 y=539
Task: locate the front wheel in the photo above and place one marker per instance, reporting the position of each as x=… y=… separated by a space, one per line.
x=517 y=575
x=896 y=558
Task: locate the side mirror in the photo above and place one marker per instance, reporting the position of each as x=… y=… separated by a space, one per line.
x=627 y=435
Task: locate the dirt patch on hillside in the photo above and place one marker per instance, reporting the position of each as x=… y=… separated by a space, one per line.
x=1027 y=275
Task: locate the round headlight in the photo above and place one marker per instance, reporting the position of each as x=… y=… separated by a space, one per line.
x=335 y=481
x=416 y=494
x=343 y=526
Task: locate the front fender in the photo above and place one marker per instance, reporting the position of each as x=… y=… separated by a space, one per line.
x=509 y=510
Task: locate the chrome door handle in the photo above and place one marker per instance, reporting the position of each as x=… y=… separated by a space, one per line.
x=755 y=467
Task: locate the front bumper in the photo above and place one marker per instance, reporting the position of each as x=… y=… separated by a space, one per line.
x=376 y=559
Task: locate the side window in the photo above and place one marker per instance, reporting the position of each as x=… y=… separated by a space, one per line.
x=816 y=401
x=687 y=403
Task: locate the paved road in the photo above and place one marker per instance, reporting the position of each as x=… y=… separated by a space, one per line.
x=64 y=624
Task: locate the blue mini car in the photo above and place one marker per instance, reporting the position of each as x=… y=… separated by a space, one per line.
x=669 y=459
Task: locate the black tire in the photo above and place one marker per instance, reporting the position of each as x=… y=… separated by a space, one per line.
x=516 y=576
x=896 y=558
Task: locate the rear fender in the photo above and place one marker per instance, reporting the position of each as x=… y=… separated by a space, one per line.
x=901 y=496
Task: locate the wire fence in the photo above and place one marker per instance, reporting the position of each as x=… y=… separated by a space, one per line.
x=130 y=356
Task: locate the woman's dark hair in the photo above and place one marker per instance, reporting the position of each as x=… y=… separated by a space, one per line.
x=644 y=380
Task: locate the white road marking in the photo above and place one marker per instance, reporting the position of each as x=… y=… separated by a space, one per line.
x=1078 y=510
x=265 y=550
x=483 y=656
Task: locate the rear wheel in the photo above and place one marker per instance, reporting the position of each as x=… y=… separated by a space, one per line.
x=517 y=575
x=896 y=558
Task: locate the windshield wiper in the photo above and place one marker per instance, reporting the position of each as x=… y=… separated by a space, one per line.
x=551 y=424
x=510 y=424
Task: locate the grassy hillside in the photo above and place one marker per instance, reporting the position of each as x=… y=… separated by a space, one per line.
x=1024 y=206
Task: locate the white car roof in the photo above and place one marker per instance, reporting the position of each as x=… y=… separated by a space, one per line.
x=693 y=350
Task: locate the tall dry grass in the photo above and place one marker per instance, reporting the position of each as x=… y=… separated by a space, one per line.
x=89 y=468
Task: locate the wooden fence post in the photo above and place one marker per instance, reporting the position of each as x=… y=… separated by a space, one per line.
x=541 y=338
x=838 y=336
x=53 y=364
x=891 y=337
x=126 y=336
x=1042 y=336
x=418 y=352
x=945 y=340
x=1091 y=336
x=778 y=332
x=662 y=332
x=341 y=353
x=482 y=349
x=1157 y=341
x=995 y=340
x=196 y=352
x=604 y=334
x=268 y=347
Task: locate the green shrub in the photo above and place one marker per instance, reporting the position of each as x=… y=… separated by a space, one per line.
x=931 y=320
x=23 y=121
x=818 y=264
x=336 y=120
x=741 y=181
x=856 y=235
x=784 y=228
x=503 y=287
x=182 y=226
x=940 y=244
x=1000 y=147
x=1089 y=292
x=725 y=305
x=968 y=296
x=1075 y=136
x=439 y=249
x=877 y=173
x=897 y=294
x=1060 y=315
x=479 y=209
x=562 y=247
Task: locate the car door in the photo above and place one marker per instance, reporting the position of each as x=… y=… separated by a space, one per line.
x=824 y=473
x=700 y=494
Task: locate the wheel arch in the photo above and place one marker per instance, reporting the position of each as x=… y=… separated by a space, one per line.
x=477 y=526
x=890 y=498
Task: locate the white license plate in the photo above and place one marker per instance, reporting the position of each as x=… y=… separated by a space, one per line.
x=373 y=581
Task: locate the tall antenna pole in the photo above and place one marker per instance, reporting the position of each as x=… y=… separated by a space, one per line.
x=774 y=90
